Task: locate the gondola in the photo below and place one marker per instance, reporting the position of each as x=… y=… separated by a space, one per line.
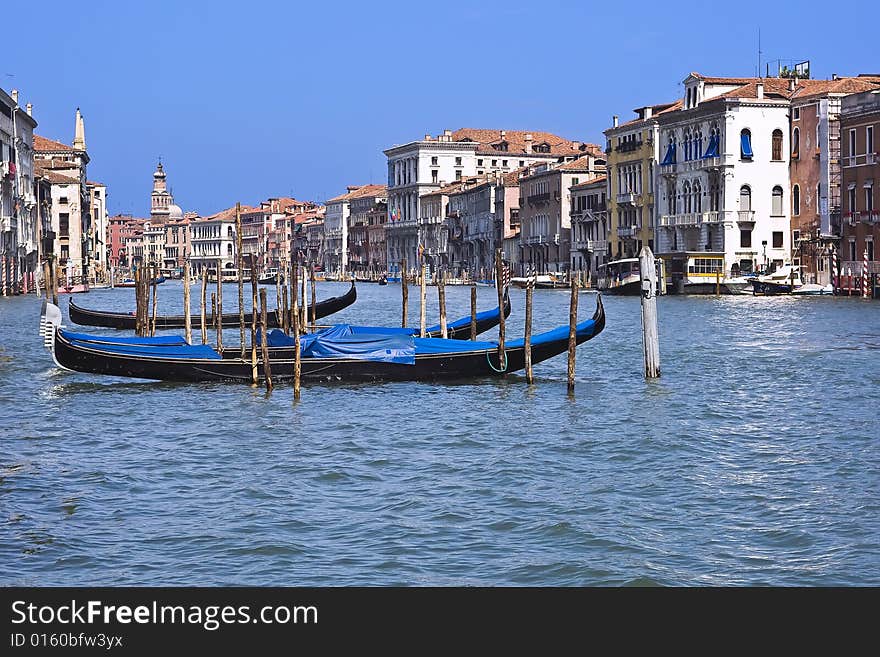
x=126 y=321
x=338 y=353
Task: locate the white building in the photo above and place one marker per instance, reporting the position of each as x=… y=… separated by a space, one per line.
x=19 y=215
x=589 y=224
x=421 y=167
x=100 y=219
x=336 y=232
x=721 y=187
x=213 y=239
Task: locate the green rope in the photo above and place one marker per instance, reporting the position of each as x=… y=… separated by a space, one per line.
x=503 y=368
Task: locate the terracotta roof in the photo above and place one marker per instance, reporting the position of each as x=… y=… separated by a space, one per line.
x=839 y=86
x=95 y=184
x=590 y=183
x=511 y=179
x=457 y=186
x=662 y=108
x=54 y=177
x=361 y=192
x=53 y=163
x=43 y=145
x=228 y=213
x=516 y=141
x=580 y=164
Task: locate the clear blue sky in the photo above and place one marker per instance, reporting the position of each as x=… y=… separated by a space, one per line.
x=246 y=100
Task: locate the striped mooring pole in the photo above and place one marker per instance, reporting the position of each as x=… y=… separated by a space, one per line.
x=865 y=274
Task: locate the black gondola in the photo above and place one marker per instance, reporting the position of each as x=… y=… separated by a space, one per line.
x=126 y=321
x=336 y=360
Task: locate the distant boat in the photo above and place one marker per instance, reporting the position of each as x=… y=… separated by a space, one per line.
x=77 y=288
x=270 y=277
x=548 y=281
x=620 y=277
x=784 y=280
x=813 y=289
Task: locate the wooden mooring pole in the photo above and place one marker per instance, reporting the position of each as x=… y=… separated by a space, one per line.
x=572 y=333
x=204 y=302
x=499 y=286
x=264 y=347
x=219 y=305
x=404 y=292
x=441 y=299
x=155 y=297
x=422 y=299
x=239 y=264
x=254 y=311
x=527 y=342
x=314 y=304
x=297 y=358
x=650 y=334
x=187 y=318
x=474 y=312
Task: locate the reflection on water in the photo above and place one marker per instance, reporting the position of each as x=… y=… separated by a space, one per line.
x=753 y=460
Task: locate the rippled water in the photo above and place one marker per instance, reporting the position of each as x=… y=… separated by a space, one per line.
x=753 y=460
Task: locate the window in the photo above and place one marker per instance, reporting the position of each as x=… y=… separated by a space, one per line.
x=869 y=139
x=745 y=238
x=494 y=163
x=869 y=199
x=795 y=235
x=574 y=181
x=504 y=163
x=852 y=199
x=852 y=143
x=796 y=114
x=795 y=142
x=434 y=175
x=745 y=198
x=852 y=250
x=776 y=207
x=796 y=200
x=458 y=174
x=745 y=141
x=62 y=200
x=776 y=153
x=64 y=225
x=458 y=161
x=434 y=161
x=777 y=239
x=522 y=163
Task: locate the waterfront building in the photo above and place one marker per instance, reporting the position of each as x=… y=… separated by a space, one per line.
x=420 y=167
x=176 y=246
x=336 y=232
x=545 y=210
x=314 y=240
x=860 y=155
x=98 y=235
x=19 y=213
x=589 y=225
x=632 y=151
x=436 y=209
x=364 y=206
x=71 y=200
x=722 y=186
x=815 y=172
x=212 y=241
x=377 y=251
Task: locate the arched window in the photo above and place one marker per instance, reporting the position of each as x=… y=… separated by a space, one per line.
x=229 y=232
x=796 y=200
x=776 y=208
x=745 y=198
x=745 y=142
x=672 y=204
x=698 y=139
x=795 y=142
x=686 y=193
x=698 y=197
x=776 y=153
x=228 y=249
x=687 y=145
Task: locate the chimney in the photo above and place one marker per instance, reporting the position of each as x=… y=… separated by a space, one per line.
x=648 y=113
x=576 y=145
x=29 y=109
x=79 y=138
x=447 y=135
x=528 y=140
x=614 y=121
x=503 y=134
x=760 y=93
x=792 y=84
x=834 y=76
x=427 y=137
x=14 y=95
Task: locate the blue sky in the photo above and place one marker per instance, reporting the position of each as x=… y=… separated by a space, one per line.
x=246 y=100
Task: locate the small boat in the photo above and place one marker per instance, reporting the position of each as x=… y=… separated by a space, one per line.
x=338 y=353
x=814 y=289
x=383 y=281
x=270 y=277
x=620 y=277
x=549 y=281
x=76 y=288
x=126 y=321
x=782 y=281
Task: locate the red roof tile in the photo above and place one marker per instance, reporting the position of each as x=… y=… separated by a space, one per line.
x=43 y=145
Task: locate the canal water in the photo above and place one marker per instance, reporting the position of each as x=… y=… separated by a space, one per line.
x=754 y=460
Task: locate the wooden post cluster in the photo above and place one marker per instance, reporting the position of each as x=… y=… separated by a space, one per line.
x=254 y=311
x=219 y=305
x=422 y=294
x=650 y=335
x=314 y=311
x=441 y=299
x=155 y=296
x=204 y=303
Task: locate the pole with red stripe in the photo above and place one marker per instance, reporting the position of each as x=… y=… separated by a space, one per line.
x=865 y=274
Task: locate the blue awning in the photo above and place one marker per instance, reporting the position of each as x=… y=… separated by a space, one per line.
x=670 y=155
x=746 y=143
x=712 y=150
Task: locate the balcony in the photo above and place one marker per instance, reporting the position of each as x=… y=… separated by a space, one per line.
x=700 y=164
x=860 y=160
x=592 y=246
x=627 y=231
x=629 y=146
x=627 y=198
x=745 y=216
x=693 y=219
x=538 y=198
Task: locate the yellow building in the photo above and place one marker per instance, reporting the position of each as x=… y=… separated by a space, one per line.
x=632 y=152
